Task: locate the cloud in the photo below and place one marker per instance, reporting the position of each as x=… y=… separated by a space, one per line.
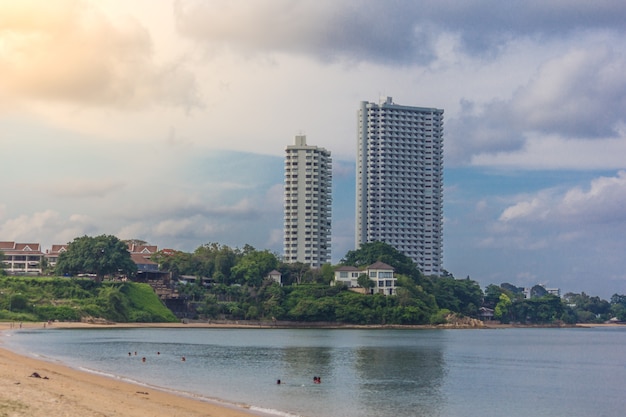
x=601 y=203
x=577 y=96
x=555 y=153
x=76 y=188
x=46 y=227
x=70 y=51
x=323 y=29
x=390 y=33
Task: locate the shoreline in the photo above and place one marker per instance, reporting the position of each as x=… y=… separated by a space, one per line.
x=61 y=391
x=242 y=324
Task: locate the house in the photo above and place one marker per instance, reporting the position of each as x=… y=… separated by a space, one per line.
x=22 y=258
x=141 y=254
x=379 y=272
x=52 y=255
x=147 y=269
x=275 y=276
x=347 y=275
x=383 y=277
x=485 y=314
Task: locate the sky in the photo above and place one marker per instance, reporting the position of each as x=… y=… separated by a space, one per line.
x=167 y=121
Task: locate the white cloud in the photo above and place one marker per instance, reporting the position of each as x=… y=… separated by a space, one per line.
x=602 y=202
x=46 y=227
x=76 y=188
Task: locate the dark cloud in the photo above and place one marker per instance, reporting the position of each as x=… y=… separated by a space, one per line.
x=580 y=94
x=390 y=32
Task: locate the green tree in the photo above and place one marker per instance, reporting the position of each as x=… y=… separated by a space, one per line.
x=253 y=267
x=365 y=282
x=492 y=295
x=328 y=273
x=2 y=271
x=537 y=310
x=294 y=272
x=502 y=309
x=588 y=309
x=178 y=263
x=459 y=295
x=100 y=255
x=618 y=306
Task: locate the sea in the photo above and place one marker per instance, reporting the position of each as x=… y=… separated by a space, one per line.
x=513 y=372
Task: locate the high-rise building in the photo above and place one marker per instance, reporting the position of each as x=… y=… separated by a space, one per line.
x=399 y=180
x=308 y=198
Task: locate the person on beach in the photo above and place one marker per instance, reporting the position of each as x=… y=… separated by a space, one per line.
x=278 y=382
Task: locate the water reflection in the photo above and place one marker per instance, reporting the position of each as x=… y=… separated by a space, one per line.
x=406 y=377
x=302 y=363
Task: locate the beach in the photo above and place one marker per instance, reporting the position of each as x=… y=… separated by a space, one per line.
x=60 y=391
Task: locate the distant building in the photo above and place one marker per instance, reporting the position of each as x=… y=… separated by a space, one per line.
x=540 y=290
x=52 y=255
x=141 y=254
x=275 y=276
x=399 y=181
x=347 y=275
x=380 y=273
x=307 y=204
x=22 y=258
x=147 y=269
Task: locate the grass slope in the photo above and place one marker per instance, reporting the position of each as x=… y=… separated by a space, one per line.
x=70 y=299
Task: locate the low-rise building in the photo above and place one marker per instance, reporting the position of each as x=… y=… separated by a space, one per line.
x=347 y=275
x=379 y=272
x=52 y=255
x=275 y=276
x=22 y=258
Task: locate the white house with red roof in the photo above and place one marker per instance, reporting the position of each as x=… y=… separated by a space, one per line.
x=22 y=258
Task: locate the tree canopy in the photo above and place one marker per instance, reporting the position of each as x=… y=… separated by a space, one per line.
x=2 y=272
x=100 y=255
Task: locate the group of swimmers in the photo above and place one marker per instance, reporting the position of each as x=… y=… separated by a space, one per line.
x=316 y=380
x=143 y=359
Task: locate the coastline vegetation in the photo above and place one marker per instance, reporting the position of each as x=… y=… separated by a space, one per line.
x=219 y=282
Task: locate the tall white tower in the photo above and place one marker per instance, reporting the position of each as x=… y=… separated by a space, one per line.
x=308 y=198
x=399 y=180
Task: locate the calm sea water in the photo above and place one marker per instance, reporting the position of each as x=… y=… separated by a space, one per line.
x=365 y=373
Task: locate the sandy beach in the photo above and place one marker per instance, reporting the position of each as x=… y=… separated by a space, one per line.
x=61 y=391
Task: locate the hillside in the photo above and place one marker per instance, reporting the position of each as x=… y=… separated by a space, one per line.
x=71 y=299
